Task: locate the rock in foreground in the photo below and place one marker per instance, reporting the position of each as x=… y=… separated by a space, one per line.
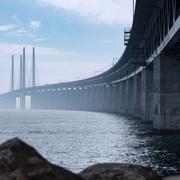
x=19 y=161
x=176 y=177
x=110 y=171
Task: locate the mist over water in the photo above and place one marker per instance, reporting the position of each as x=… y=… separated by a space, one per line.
x=76 y=140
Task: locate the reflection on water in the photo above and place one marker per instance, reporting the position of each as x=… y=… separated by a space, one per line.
x=76 y=140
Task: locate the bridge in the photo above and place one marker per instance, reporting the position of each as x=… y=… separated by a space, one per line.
x=144 y=83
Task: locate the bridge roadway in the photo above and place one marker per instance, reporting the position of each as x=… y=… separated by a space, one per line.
x=145 y=82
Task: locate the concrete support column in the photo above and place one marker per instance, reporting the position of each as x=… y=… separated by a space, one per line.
x=117 y=98
x=88 y=99
x=34 y=100
x=22 y=101
x=123 y=97
x=57 y=93
x=68 y=99
x=73 y=100
x=43 y=100
x=91 y=99
x=99 y=98
x=49 y=100
x=79 y=99
x=147 y=94
x=112 y=98
x=137 y=96
x=108 y=104
x=130 y=97
x=103 y=96
x=12 y=74
x=96 y=98
x=85 y=98
x=39 y=100
x=166 y=93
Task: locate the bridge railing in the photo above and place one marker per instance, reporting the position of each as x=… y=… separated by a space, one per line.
x=164 y=17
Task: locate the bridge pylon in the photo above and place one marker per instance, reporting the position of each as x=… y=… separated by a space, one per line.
x=12 y=73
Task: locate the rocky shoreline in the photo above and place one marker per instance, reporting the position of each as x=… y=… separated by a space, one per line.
x=19 y=161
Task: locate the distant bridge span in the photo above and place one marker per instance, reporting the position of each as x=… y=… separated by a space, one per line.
x=144 y=83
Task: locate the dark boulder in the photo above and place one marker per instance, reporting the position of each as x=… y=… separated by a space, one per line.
x=19 y=161
x=110 y=171
x=175 y=177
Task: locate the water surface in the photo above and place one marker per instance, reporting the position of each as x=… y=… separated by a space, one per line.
x=76 y=140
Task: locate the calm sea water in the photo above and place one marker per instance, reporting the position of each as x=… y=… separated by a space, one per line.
x=76 y=140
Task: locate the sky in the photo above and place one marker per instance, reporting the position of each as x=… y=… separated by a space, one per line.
x=74 y=39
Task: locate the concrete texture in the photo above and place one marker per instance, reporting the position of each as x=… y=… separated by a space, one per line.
x=166 y=93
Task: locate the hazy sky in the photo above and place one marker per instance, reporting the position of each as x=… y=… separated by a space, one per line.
x=73 y=38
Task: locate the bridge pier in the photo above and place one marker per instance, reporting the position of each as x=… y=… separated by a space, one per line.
x=166 y=93
x=130 y=97
x=96 y=98
x=103 y=100
x=119 y=100
x=123 y=97
x=137 y=96
x=46 y=100
x=69 y=99
x=86 y=103
x=116 y=98
x=36 y=100
x=33 y=101
x=83 y=101
x=109 y=100
x=55 y=99
x=79 y=99
x=112 y=102
x=72 y=99
x=147 y=94
x=100 y=98
x=88 y=99
x=22 y=101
